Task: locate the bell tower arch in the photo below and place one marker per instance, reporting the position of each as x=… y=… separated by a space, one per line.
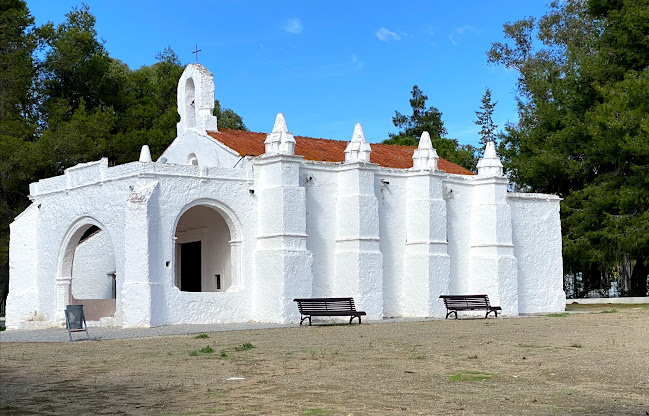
x=196 y=100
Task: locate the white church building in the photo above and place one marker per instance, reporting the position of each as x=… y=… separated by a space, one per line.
x=231 y=226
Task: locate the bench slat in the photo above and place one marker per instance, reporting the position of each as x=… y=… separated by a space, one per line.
x=327 y=307
x=456 y=303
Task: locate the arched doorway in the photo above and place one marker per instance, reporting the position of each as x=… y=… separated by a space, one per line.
x=203 y=251
x=88 y=274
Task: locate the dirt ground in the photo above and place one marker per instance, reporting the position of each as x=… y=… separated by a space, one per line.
x=588 y=363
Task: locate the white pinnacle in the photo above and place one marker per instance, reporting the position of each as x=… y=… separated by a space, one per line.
x=145 y=154
x=280 y=124
x=280 y=140
x=489 y=164
x=424 y=141
x=358 y=149
x=425 y=156
x=490 y=151
x=358 y=135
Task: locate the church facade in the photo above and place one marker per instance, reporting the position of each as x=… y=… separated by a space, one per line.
x=231 y=226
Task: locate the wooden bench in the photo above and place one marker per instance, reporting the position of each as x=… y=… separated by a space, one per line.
x=327 y=307
x=456 y=303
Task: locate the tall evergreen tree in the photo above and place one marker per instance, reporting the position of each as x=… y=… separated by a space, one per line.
x=582 y=132
x=485 y=120
x=430 y=120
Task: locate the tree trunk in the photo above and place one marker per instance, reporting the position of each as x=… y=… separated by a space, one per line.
x=639 y=278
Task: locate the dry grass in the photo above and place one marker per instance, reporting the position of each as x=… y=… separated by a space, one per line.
x=589 y=363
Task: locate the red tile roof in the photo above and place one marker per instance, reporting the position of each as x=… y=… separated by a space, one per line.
x=247 y=143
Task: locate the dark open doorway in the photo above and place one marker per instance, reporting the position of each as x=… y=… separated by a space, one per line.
x=190 y=267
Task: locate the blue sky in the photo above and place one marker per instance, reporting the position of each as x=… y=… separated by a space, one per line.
x=325 y=64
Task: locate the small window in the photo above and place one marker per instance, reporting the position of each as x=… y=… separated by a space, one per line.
x=192 y=160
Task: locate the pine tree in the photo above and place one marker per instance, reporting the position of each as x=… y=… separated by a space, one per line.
x=430 y=120
x=485 y=121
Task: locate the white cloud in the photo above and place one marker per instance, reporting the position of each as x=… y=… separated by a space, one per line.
x=459 y=32
x=386 y=35
x=356 y=63
x=293 y=26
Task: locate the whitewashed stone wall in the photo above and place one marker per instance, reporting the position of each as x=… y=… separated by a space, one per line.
x=538 y=252
x=394 y=239
x=93 y=268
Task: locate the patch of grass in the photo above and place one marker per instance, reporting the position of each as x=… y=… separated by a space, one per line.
x=206 y=350
x=558 y=315
x=419 y=357
x=223 y=353
x=471 y=376
x=575 y=345
x=473 y=357
x=202 y=336
x=609 y=311
x=244 y=347
x=310 y=412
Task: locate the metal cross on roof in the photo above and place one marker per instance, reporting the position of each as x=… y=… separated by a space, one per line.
x=196 y=51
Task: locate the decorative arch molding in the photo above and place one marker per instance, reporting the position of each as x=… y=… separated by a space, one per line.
x=66 y=258
x=236 y=234
x=228 y=214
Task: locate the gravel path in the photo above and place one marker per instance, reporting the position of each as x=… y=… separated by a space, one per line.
x=101 y=333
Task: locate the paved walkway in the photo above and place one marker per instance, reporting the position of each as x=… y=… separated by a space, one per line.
x=101 y=333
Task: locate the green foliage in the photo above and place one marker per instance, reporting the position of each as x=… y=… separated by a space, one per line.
x=558 y=315
x=430 y=120
x=206 y=350
x=311 y=412
x=76 y=65
x=18 y=42
x=422 y=119
x=583 y=131
x=227 y=119
x=485 y=121
x=201 y=336
x=244 y=347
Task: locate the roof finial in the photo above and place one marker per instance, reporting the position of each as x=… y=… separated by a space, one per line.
x=145 y=154
x=489 y=164
x=280 y=124
x=358 y=149
x=280 y=140
x=425 y=156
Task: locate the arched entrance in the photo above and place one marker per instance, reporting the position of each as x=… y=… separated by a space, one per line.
x=204 y=252
x=87 y=274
